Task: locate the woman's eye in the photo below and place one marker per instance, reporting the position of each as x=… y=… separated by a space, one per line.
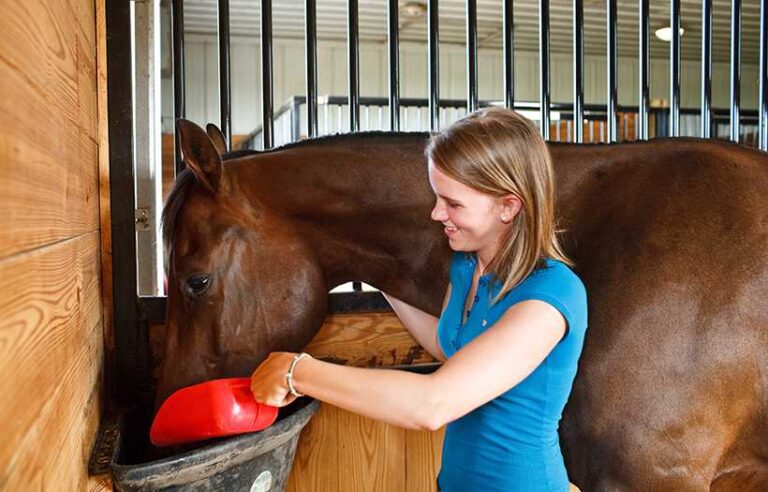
x=453 y=205
x=197 y=284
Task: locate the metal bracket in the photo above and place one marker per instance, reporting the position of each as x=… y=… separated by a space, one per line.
x=141 y=215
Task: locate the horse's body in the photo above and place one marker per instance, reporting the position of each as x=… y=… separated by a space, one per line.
x=670 y=238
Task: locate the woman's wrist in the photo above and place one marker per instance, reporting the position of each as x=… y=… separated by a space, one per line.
x=290 y=375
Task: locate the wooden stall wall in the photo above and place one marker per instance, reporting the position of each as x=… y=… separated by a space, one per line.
x=51 y=341
x=340 y=450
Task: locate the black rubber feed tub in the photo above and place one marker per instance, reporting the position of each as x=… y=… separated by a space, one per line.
x=256 y=462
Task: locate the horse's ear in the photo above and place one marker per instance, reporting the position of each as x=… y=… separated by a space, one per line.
x=199 y=154
x=218 y=139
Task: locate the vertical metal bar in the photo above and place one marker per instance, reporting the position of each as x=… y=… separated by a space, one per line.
x=578 y=70
x=131 y=333
x=509 y=54
x=147 y=151
x=295 y=119
x=612 y=62
x=434 y=65
x=225 y=87
x=706 y=69
x=472 y=98
x=544 y=66
x=353 y=52
x=310 y=48
x=267 y=96
x=763 y=88
x=393 y=40
x=643 y=62
x=179 y=107
x=674 y=68
x=735 y=68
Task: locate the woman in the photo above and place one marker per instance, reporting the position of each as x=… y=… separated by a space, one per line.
x=510 y=332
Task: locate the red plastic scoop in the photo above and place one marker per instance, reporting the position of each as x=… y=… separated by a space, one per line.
x=221 y=407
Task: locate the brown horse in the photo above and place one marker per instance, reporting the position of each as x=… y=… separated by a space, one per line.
x=670 y=238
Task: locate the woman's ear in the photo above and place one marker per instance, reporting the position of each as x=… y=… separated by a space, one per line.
x=511 y=205
x=199 y=154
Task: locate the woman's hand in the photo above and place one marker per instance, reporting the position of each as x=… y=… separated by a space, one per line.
x=268 y=383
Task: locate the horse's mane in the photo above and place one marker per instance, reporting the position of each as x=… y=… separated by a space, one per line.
x=176 y=197
x=186 y=177
x=325 y=139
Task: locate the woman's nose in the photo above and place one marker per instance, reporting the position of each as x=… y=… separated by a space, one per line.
x=438 y=213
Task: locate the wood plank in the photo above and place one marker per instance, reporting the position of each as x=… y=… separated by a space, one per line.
x=100 y=483
x=48 y=176
x=105 y=218
x=51 y=46
x=316 y=463
x=54 y=451
x=50 y=349
x=367 y=340
x=371 y=454
x=424 y=450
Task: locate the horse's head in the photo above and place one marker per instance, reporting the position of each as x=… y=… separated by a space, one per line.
x=241 y=281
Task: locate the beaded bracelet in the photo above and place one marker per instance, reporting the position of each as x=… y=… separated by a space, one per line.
x=289 y=374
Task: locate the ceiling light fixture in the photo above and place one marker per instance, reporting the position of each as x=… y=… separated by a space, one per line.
x=665 y=33
x=413 y=9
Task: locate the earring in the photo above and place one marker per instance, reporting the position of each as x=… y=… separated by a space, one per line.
x=506 y=221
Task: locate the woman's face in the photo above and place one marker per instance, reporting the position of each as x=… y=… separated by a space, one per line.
x=472 y=220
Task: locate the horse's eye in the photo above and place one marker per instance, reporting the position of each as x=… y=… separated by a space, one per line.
x=197 y=284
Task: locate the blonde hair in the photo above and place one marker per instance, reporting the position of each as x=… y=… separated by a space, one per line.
x=497 y=151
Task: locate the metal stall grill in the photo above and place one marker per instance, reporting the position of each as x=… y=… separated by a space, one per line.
x=576 y=122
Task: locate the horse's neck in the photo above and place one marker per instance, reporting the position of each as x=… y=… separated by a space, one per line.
x=363 y=207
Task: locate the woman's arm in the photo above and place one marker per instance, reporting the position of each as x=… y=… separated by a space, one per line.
x=421 y=325
x=495 y=361
x=488 y=366
x=395 y=397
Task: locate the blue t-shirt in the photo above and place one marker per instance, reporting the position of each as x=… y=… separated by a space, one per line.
x=511 y=442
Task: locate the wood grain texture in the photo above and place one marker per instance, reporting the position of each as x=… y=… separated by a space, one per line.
x=97 y=483
x=51 y=343
x=367 y=340
x=50 y=361
x=104 y=184
x=343 y=451
x=48 y=173
x=424 y=450
x=316 y=463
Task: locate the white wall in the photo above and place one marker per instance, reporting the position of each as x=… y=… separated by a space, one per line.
x=202 y=77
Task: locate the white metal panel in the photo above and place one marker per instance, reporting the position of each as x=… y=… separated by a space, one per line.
x=289 y=78
x=246 y=87
x=211 y=79
x=288 y=22
x=194 y=81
